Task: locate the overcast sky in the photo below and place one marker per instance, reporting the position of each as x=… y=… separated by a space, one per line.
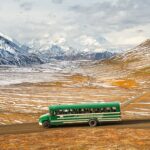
x=77 y=23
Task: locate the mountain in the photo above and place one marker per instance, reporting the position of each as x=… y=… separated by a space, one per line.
x=136 y=58
x=12 y=53
x=133 y=64
x=90 y=56
x=60 y=53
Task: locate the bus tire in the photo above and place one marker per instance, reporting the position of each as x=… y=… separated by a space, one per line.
x=46 y=124
x=93 y=122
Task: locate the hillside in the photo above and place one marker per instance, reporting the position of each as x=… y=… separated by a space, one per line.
x=11 y=53
x=136 y=58
x=132 y=62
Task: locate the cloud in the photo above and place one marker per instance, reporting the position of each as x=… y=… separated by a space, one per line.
x=115 y=16
x=79 y=24
x=130 y=36
x=58 y=39
x=26 y=6
x=57 y=1
x=89 y=42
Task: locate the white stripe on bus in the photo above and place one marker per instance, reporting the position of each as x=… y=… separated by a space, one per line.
x=88 y=114
x=99 y=119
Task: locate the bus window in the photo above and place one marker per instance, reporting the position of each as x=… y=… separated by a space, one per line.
x=105 y=109
x=108 y=109
x=53 y=113
x=79 y=110
x=60 y=112
x=65 y=111
x=86 y=110
x=99 y=110
x=113 y=109
x=82 y=110
x=76 y=111
x=91 y=110
x=71 y=111
x=96 y=110
x=102 y=109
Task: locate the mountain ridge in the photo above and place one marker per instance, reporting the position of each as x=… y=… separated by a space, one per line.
x=13 y=53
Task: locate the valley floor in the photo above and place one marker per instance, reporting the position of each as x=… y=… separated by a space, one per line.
x=130 y=134
x=24 y=103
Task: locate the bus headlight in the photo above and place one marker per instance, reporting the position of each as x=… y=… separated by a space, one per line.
x=40 y=123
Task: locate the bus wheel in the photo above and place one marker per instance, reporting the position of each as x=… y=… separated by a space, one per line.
x=93 y=122
x=46 y=124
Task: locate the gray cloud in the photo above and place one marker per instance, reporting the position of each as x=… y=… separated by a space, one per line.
x=72 y=19
x=57 y=1
x=26 y=6
x=117 y=16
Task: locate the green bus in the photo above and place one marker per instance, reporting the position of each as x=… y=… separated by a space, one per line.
x=91 y=113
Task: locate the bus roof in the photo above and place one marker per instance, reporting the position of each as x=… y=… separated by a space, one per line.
x=85 y=105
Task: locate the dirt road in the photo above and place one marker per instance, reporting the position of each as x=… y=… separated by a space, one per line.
x=34 y=127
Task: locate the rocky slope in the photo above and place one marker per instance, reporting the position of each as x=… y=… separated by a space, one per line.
x=11 y=53
x=59 y=53
x=127 y=70
x=136 y=58
x=129 y=62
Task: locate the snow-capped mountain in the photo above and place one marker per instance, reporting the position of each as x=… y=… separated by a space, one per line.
x=60 y=53
x=12 y=53
x=132 y=65
x=47 y=49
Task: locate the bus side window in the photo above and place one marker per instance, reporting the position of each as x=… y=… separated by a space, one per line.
x=113 y=109
x=66 y=111
x=105 y=109
x=85 y=110
x=102 y=109
x=88 y=110
x=108 y=109
x=91 y=110
x=71 y=111
x=60 y=112
x=54 y=113
x=76 y=111
x=96 y=110
x=99 y=110
x=79 y=110
x=82 y=110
